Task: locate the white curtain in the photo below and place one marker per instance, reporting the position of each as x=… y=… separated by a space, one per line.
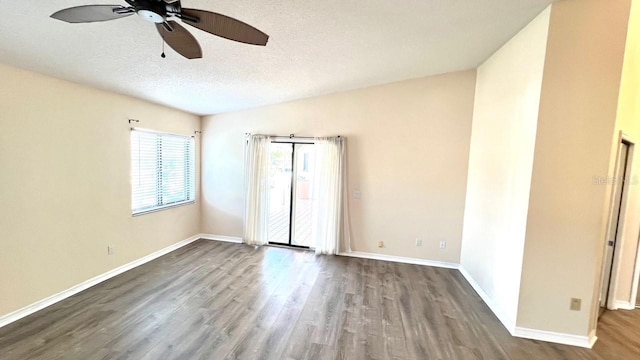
x=330 y=212
x=256 y=190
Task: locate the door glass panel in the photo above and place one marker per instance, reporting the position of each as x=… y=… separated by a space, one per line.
x=280 y=176
x=303 y=204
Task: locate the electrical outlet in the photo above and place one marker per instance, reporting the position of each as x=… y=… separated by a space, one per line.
x=443 y=245
x=110 y=250
x=380 y=244
x=418 y=242
x=575 y=304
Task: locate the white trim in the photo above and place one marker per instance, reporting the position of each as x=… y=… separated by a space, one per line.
x=399 y=259
x=575 y=340
x=232 y=239
x=627 y=137
x=621 y=223
x=624 y=305
x=506 y=321
x=592 y=338
x=620 y=242
x=41 y=304
x=636 y=277
x=526 y=333
x=554 y=337
x=163 y=207
x=636 y=268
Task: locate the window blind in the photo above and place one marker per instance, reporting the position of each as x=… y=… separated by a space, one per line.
x=162 y=170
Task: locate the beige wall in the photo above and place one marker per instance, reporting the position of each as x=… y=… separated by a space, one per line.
x=567 y=212
x=64 y=155
x=628 y=122
x=66 y=195
x=408 y=146
x=503 y=136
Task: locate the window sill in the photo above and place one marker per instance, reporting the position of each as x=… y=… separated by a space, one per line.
x=161 y=208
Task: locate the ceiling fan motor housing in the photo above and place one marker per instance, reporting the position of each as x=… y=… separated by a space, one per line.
x=152 y=11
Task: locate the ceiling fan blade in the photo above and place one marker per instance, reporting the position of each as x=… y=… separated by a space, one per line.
x=91 y=13
x=180 y=40
x=224 y=26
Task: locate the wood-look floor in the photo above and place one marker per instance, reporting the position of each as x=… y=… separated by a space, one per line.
x=214 y=300
x=619 y=335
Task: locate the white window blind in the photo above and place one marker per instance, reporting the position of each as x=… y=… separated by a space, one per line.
x=162 y=170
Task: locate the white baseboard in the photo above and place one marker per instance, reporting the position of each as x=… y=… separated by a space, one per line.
x=506 y=321
x=526 y=333
x=574 y=340
x=41 y=304
x=592 y=338
x=554 y=337
x=232 y=239
x=624 y=305
x=399 y=259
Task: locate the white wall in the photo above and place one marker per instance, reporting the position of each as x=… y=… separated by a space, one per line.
x=563 y=225
x=500 y=165
x=66 y=194
x=566 y=221
x=408 y=146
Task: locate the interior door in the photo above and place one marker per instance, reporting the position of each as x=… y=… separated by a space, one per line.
x=612 y=235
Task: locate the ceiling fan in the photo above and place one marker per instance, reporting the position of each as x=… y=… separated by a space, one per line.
x=160 y=12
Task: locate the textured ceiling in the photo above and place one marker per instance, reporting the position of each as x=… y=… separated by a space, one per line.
x=316 y=47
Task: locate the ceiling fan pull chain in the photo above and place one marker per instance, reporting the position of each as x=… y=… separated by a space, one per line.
x=163 y=55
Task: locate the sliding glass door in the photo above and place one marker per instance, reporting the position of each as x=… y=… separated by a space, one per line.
x=304 y=157
x=280 y=182
x=291 y=194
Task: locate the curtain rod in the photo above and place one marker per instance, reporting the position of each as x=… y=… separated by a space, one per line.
x=164 y=132
x=290 y=136
x=195 y=132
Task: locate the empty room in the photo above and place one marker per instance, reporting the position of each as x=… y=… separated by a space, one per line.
x=418 y=179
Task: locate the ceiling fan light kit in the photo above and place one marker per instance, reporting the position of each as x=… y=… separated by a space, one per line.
x=152 y=11
x=175 y=35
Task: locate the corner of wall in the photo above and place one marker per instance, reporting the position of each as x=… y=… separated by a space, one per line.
x=502 y=316
x=201 y=177
x=507 y=97
x=565 y=219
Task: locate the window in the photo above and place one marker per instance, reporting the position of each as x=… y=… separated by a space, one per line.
x=162 y=170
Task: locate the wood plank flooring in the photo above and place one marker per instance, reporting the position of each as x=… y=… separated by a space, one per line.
x=619 y=334
x=214 y=300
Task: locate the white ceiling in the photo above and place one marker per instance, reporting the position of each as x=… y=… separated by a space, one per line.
x=316 y=47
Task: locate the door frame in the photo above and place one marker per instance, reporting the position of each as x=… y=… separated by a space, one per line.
x=636 y=279
x=610 y=301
